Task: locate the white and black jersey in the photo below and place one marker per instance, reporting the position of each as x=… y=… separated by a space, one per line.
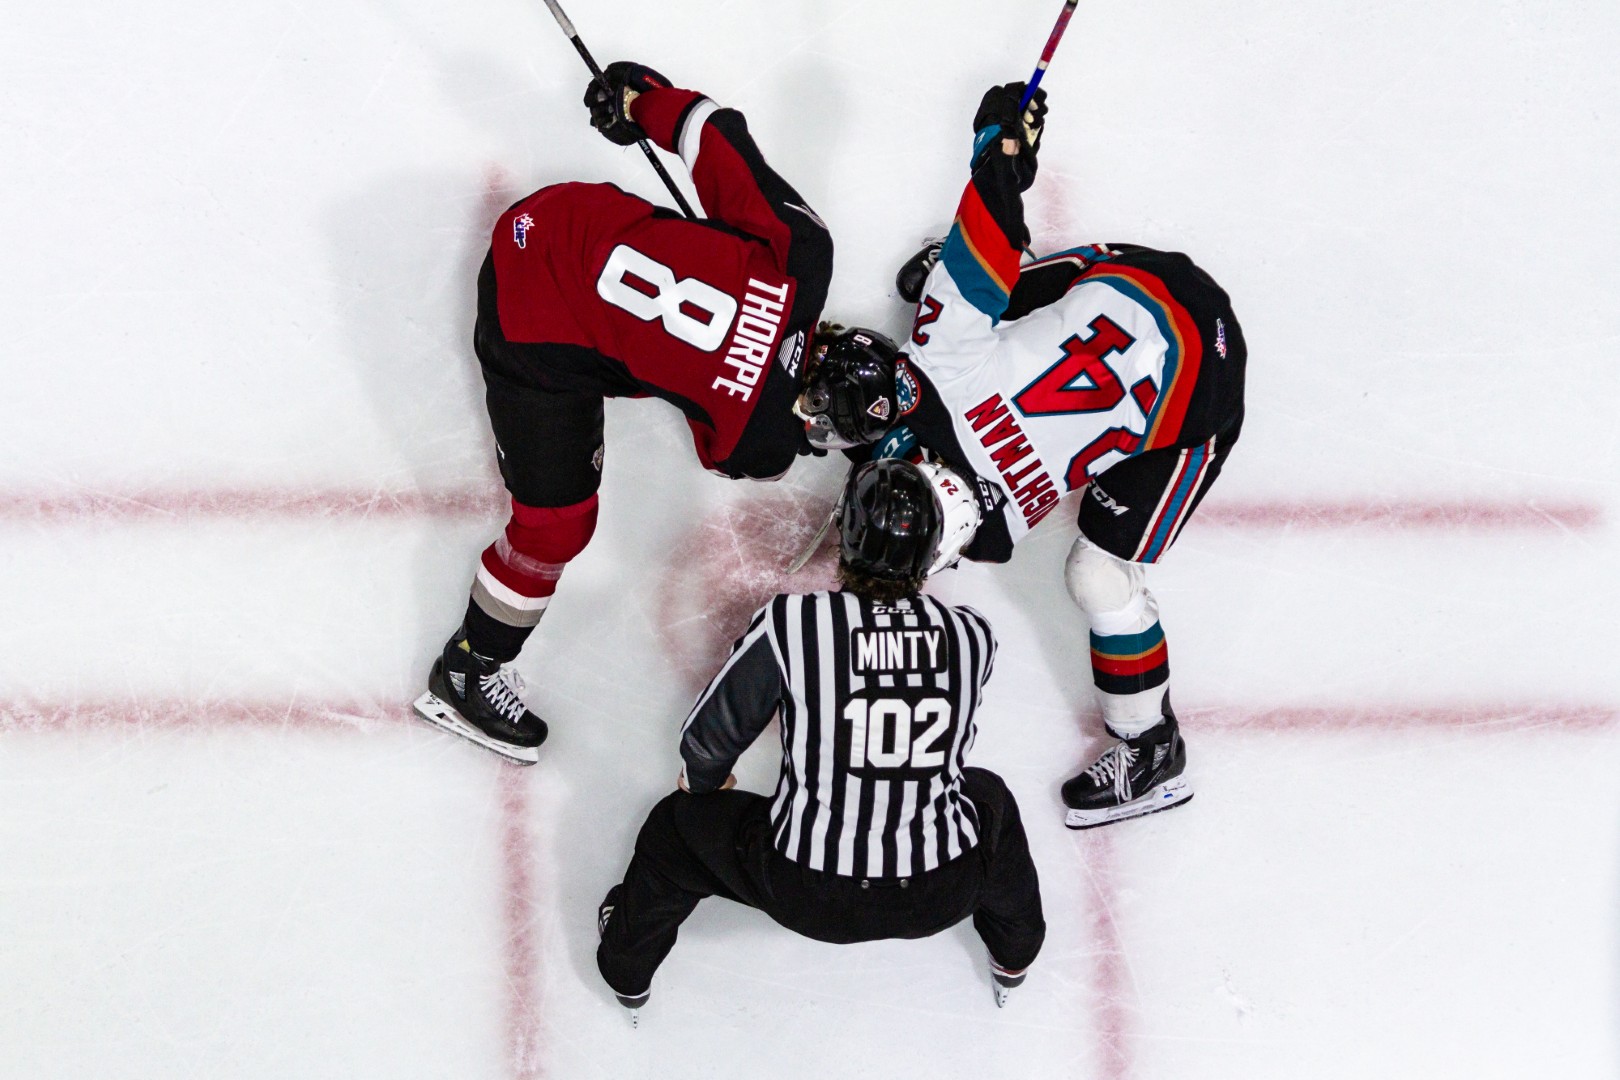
x=877 y=705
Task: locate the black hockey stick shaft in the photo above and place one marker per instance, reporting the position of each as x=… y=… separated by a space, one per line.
x=1046 y=53
x=590 y=62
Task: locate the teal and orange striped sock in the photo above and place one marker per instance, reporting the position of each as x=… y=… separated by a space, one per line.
x=1130 y=663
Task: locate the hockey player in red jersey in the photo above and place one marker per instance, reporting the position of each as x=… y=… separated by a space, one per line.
x=589 y=292
x=1114 y=370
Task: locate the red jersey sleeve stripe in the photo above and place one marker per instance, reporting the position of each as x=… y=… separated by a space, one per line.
x=1185 y=347
x=986 y=242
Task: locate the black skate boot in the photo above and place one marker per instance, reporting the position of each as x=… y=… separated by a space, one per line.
x=911 y=277
x=475 y=697
x=604 y=912
x=1135 y=776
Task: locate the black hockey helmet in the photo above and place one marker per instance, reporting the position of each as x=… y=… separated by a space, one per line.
x=889 y=521
x=848 y=397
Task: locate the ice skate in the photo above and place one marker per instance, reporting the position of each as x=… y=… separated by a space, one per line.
x=1004 y=981
x=604 y=912
x=1135 y=776
x=474 y=697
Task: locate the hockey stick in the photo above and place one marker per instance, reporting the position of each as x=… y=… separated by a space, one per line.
x=646 y=147
x=1046 y=53
x=815 y=542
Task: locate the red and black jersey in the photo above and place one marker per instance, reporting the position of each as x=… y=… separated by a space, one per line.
x=711 y=315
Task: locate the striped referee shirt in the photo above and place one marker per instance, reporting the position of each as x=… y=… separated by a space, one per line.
x=877 y=704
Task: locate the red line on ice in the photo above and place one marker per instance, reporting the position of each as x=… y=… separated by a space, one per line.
x=1484 y=718
x=517 y=853
x=1112 y=991
x=92 y=714
x=111 y=714
x=159 y=505
x=1398 y=514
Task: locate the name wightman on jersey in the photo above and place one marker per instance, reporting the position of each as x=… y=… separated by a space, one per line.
x=877 y=705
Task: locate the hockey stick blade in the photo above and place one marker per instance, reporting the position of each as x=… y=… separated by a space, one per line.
x=442 y=715
x=815 y=543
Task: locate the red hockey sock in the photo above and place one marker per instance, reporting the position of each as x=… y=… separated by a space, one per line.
x=518 y=572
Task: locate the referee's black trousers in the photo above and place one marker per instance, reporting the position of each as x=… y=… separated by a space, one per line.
x=693 y=846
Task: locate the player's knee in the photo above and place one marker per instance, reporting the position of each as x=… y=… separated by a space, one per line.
x=551 y=535
x=1099 y=582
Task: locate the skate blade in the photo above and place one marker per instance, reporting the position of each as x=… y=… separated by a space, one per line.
x=1170 y=794
x=442 y=715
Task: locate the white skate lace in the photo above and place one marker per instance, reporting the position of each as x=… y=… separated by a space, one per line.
x=1114 y=765
x=504 y=692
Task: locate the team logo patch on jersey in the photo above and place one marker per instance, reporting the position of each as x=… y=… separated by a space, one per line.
x=1220 y=338
x=596 y=459
x=520 y=229
x=907 y=391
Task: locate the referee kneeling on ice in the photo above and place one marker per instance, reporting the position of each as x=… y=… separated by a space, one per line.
x=877 y=829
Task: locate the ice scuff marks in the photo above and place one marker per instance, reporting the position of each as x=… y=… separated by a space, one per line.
x=728 y=566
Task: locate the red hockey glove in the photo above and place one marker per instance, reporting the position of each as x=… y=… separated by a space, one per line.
x=609 y=98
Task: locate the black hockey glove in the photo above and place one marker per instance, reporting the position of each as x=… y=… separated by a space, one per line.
x=609 y=99
x=999 y=108
x=913 y=275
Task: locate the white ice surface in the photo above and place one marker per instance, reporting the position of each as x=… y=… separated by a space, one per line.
x=239 y=244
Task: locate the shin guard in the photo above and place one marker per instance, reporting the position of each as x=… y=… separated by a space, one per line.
x=1129 y=662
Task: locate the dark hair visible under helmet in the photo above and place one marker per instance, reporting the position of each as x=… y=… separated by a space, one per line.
x=888 y=529
x=848 y=397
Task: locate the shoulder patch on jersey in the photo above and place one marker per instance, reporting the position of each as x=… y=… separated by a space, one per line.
x=907 y=391
x=879 y=409
x=520 y=229
x=1220 y=337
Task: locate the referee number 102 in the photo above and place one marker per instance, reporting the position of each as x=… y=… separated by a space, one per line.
x=890 y=734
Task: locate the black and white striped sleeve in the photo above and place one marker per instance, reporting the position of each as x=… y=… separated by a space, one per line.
x=983 y=624
x=735 y=708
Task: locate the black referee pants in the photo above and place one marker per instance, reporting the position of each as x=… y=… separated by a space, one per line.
x=693 y=846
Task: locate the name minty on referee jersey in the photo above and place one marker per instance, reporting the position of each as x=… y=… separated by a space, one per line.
x=877 y=704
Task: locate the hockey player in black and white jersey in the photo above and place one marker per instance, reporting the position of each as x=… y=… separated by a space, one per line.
x=878 y=828
x=1111 y=369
